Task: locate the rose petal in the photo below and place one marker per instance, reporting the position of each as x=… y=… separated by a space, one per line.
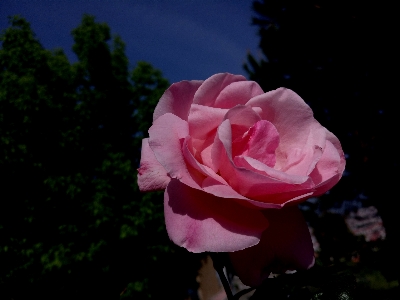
x=190 y=160
x=299 y=149
x=177 y=99
x=166 y=138
x=302 y=161
x=221 y=151
x=202 y=222
x=215 y=184
x=285 y=245
x=152 y=175
x=259 y=142
x=204 y=119
x=241 y=119
x=218 y=189
x=256 y=166
x=237 y=93
x=222 y=190
x=335 y=142
x=206 y=156
x=254 y=185
x=330 y=167
x=202 y=150
x=212 y=87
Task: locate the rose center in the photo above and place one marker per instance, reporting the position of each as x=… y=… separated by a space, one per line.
x=259 y=142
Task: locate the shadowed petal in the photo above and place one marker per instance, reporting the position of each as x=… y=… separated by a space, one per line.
x=285 y=245
x=202 y=222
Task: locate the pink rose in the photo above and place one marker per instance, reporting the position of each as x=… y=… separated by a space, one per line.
x=234 y=162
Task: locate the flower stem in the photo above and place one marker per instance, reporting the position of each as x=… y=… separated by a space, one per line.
x=219 y=267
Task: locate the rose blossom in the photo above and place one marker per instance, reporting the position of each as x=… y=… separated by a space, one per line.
x=234 y=162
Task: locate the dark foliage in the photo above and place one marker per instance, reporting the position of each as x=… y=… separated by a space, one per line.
x=73 y=224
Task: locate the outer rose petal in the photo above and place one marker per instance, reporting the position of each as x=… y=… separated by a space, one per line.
x=152 y=175
x=238 y=93
x=202 y=222
x=330 y=167
x=177 y=99
x=211 y=88
x=166 y=138
x=286 y=244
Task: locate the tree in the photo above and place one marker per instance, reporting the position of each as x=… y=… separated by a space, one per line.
x=339 y=56
x=72 y=221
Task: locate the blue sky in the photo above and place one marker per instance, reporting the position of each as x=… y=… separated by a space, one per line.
x=185 y=39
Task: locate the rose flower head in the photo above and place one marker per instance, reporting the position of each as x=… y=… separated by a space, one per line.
x=234 y=162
